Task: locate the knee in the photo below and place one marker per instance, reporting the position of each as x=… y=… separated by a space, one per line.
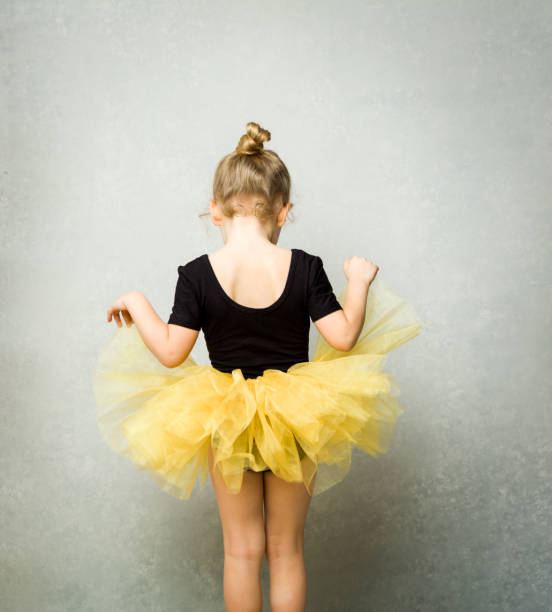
x=248 y=545
x=284 y=544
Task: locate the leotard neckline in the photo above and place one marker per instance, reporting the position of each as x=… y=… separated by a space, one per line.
x=251 y=308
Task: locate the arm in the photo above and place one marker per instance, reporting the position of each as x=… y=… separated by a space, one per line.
x=342 y=327
x=171 y=344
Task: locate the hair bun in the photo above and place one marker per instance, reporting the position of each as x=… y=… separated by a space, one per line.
x=251 y=142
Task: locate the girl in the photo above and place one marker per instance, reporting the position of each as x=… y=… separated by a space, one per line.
x=271 y=427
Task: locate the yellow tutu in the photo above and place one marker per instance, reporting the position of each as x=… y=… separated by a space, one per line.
x=300 y=424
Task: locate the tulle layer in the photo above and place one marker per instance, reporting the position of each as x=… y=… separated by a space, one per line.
x=301 y=424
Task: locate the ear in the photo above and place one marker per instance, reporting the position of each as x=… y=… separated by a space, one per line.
x=283 y=212
x=216 y=216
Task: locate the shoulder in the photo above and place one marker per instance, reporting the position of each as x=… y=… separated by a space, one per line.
x=310 y=261
x=306 y=256
x=193 y=267
x=191 y=274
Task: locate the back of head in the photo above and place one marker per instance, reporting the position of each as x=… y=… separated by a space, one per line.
x=252 y=170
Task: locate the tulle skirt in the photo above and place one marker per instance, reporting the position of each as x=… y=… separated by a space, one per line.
x=301 y=424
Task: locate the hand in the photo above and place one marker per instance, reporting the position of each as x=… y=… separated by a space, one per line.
x=119 y=307
x=360 y=268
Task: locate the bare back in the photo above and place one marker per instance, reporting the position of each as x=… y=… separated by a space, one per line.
x=255 y=279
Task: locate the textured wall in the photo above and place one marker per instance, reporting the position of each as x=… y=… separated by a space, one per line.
x=418 y=134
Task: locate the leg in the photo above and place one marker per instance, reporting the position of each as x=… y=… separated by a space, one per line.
x=286 y=507
x=244 y=539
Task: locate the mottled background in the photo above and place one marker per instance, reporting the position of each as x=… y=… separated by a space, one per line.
x=418 y=134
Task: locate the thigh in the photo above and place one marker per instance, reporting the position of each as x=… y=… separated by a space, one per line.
x=286 y=508
x=241 y=513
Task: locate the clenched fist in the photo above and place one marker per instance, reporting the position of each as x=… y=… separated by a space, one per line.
x=359 y=267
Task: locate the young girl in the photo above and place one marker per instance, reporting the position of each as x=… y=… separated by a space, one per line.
x=271 y=427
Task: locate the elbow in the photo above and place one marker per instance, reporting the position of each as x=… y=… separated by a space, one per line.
x=172 y=359
x=347 y=346
x=341 y=341
x=169 y=360
x=167 y=363
x=348 y=342
x=343 y=344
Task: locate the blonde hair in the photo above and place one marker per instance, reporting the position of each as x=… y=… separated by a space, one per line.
x=252 y=170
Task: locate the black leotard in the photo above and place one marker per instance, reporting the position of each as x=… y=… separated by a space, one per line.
x=254 y=339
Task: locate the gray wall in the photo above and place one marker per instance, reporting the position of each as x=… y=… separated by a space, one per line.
x=418 y=134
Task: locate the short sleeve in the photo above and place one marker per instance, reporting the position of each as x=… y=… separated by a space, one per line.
x=321 y=297
x=186 y=309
